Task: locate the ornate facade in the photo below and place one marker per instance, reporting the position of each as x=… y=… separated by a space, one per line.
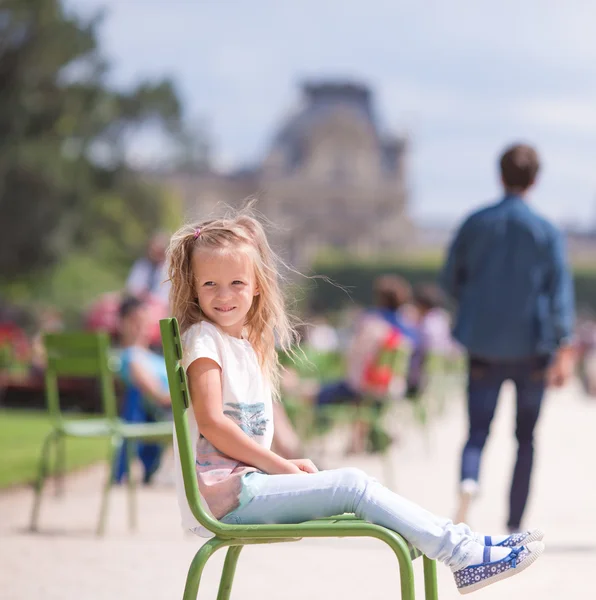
x=331 y=178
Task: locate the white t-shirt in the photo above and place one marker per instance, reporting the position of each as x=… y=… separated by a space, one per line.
x=246 y=399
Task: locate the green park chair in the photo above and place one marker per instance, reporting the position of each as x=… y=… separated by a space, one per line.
x=442 y=378
x=235 y=537
x=85 y=354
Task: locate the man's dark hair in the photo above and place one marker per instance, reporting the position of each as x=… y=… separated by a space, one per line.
x=391 y=291
x=429 y=296
x=128 y=305
x=519 y=167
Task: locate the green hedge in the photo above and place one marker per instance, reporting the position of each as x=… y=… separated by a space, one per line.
x=356 y=278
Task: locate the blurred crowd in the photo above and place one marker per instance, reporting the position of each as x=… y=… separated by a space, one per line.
x=413 y=318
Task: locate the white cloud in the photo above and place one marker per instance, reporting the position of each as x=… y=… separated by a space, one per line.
x=567 y=114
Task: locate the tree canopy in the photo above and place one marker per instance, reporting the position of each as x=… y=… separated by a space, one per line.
x=65 y=185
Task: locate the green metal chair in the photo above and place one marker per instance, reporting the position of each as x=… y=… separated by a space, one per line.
x=235 y=537
x=441 y=374
x=87 y=355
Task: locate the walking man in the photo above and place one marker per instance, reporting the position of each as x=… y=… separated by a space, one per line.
x=507 y=270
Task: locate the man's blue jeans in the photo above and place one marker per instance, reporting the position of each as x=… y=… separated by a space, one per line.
x=485 y=379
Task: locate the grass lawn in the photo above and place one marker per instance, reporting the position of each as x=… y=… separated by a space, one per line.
x=21 y=435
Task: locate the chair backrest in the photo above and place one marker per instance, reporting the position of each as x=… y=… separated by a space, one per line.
x=78 y=354
x=396 y=359
x=391 y=362
x=181 y=402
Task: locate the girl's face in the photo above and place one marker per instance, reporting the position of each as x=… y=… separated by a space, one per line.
x=225 y=285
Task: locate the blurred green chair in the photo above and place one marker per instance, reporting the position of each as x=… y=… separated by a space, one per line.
x=371 y=410
x=85 y=354
x=235 y=537
x=441 y=378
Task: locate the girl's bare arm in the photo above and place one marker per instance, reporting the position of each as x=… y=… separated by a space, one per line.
x=204 y=379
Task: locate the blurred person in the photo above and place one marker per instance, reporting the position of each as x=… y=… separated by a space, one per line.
x=139 y=366
x=433 y=325
x=144 y=374
x=375 y=326
x=103 y=315
x=148 y=275
x=378 y=328
x=508 y=271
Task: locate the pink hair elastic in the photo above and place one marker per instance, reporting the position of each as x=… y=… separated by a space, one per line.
x=197 y=233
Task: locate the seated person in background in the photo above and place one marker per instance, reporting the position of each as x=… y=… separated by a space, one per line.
x=434 y=332
x=379 y=328
x=143 y=371
x=140 y=367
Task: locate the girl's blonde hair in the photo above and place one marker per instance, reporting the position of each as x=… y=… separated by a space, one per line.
x=267 y=322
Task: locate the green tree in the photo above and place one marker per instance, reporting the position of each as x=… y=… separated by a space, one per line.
x=65 y=185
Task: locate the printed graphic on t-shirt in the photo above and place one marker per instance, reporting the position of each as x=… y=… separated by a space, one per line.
x=249 y=417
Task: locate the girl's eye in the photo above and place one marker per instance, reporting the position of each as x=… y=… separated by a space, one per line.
x=238 y=282
x=209 y=283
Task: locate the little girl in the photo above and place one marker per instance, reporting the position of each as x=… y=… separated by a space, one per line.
x=226 y=296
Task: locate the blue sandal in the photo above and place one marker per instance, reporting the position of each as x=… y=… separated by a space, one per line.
x=517 y=539
x=475 y=577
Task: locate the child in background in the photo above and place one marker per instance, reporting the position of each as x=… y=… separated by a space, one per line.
x=226 y=296
x=147 y=396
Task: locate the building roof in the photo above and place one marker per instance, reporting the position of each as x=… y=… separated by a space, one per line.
x=321 y=101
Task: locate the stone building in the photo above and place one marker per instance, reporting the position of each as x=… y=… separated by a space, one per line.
x=331 y=178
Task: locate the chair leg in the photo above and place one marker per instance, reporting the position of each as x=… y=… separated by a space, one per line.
x=430 y=579
x=193 y=579
x=132 y=503
x=41 y=477
x=229 y=569
x=406 y=570
x=60 y=464
x=115 y=445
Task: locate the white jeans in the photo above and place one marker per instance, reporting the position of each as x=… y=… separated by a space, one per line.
x=297 y=498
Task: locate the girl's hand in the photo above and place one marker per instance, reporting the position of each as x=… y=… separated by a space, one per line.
x=305 y=464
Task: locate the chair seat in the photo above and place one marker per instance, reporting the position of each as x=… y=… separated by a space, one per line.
x=347 y=525
x=146 y=431
x=108 y=427
x=86 y=427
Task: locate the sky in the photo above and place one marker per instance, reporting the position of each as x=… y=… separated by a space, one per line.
x=462 y=79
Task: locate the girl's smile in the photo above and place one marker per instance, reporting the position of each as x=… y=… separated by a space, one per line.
x=225 y=286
